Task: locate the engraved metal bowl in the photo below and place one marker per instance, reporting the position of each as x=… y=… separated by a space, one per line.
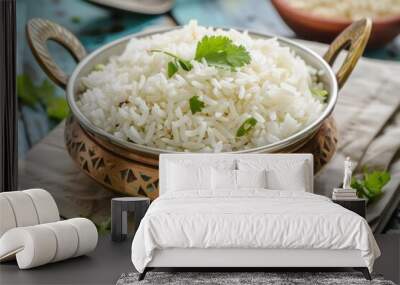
x=39 y=31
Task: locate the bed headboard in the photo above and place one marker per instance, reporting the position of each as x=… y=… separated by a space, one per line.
x=213 y=159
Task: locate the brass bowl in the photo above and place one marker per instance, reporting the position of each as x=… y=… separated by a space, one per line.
x=135 y=175
x=39 y=31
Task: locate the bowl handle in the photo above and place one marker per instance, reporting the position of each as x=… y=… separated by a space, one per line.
x=355 y=38
x=38 y=32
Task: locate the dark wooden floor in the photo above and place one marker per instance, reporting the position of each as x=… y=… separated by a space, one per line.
x=110 y=260
x=389 y=262
x=103 y=266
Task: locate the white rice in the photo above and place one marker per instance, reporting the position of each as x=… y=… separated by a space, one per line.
x=349 y=9
x=133 y=98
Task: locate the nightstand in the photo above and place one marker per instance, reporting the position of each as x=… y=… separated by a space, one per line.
x=120 y=207
x=358 y=206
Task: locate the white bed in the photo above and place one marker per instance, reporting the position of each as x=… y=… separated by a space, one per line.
x=205 y=226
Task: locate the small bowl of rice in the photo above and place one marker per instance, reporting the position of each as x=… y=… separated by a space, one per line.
x=323 y=20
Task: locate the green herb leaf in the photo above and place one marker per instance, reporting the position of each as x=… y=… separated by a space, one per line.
x=104 y=227
x=26 y=91
x=321 y=94
x=57 y=108
x=371 y=185
x=184 y=64
x=99 y=67
x=375 y=181
x=31 y=94
x=45 y=91
x=75 y=19
x=221 y=51
x=195 y=104
x=247 y=125
x=360 y=187
x=172 y=69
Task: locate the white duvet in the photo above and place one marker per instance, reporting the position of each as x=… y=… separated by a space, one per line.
x=252 y=218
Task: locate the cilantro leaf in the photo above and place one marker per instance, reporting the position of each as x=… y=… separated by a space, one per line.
x=221 y=51
x=75 y=19
x=172 y=69
x=371 y=185
x=321 y=94
x=195 y=104
x=247 y=125
x=173 y=65
x=45 y=91
x=57 y=108
x=360 y=187
x=375 y=181
x=237 y=56
x=104 y=227
x=31 y=94
x=26 y=91
x=99 y=67
x=216 y=50
x=212 y=49
x=185 y=64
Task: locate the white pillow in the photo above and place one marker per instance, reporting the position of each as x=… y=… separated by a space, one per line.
x=293 y=179
x=223 y=179
x=181 y=177
x=251 y=179
x=283 y=173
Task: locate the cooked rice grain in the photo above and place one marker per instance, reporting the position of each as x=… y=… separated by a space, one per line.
x=132 y=98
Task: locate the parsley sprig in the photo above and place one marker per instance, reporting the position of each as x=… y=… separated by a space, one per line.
x=222 y=52
x=177 y=62
x=218 y=51
x=104 y=227
x=321 y=94
x=371 y=184
x=44 y=94
x=196 y=105
x=247 y=125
